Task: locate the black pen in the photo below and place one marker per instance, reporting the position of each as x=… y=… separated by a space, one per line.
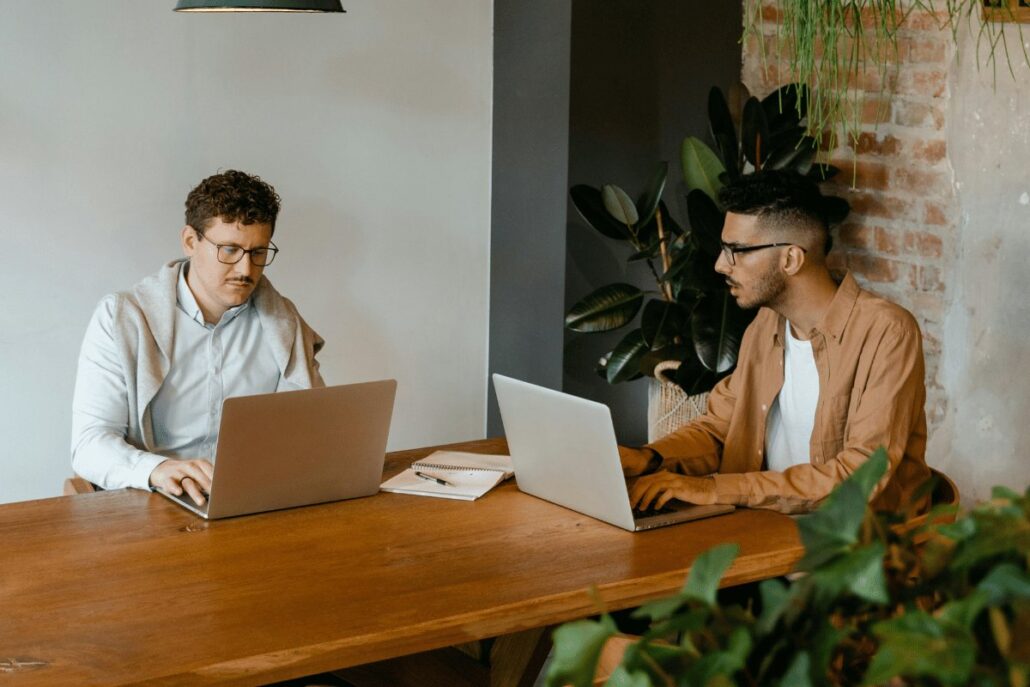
x=432 y=478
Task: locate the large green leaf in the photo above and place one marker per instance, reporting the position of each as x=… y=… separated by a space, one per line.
x=833 y=529
x=590 y=207
x=624 y=360
x=799 y=158
x=701 y=167
x=619 y=205
x=706 y=220
x=693 y=377
x=718 y=325
x=917 y=645
x=786 y=107
x=652 y=194
x=607 y=308
x=706 y=572
x=577 y=647
x=755 y=134
x=724 y=131
x=662 y=322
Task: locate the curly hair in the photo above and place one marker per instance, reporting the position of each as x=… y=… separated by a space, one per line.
x=232 y=196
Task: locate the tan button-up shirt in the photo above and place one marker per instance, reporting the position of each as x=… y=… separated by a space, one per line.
x=869 y=356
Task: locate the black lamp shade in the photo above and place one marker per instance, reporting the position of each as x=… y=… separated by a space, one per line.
x=259 y=6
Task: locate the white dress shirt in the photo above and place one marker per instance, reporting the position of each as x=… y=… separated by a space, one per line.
x=209 y=363
x=788 y=433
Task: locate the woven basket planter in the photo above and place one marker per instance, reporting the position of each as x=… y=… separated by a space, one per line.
x=668 y=406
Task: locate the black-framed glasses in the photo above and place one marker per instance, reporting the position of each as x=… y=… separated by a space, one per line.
x=730 y=250
x=229 y=254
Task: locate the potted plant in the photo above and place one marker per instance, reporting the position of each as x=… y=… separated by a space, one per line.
x=689 y=331
x=883 y=600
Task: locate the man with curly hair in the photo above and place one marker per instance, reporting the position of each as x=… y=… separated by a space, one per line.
x=826 y=373
x=158 y=360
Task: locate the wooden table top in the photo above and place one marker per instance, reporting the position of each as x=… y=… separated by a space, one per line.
x=124 y=587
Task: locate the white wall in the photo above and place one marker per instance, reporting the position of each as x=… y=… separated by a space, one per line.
x=374 y=126
x=985 y=436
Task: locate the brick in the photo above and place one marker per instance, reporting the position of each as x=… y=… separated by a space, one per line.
x=921 y=115
x=928 y=307
x=930 y=83
x=936 y=215
x=879 y=205
x=925 y=278
x=926 y=50
x=923 y=244
x=875 y=110
x=888 y=242
x=856 y=235
x=930 y=151
x=771 y=13
x=873 y=268
x=926 y=21
x=921 y=182
x=870 y=143
x=872 y=81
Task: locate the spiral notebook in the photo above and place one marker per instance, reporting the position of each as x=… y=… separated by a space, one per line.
x=452 y=475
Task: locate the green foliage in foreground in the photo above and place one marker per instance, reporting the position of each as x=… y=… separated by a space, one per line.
x=878 y=604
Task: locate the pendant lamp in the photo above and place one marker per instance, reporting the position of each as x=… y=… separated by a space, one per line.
x=259 y=6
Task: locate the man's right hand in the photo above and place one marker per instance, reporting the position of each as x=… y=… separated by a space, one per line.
x=176 y=476
x=634 y=460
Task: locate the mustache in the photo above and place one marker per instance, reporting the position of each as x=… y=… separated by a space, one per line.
x=240 y=280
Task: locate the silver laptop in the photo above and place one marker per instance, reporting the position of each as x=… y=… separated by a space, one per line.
x=296 y=448
x=563 y=449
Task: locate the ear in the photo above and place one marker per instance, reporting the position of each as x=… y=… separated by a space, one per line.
x=793 y=260
x=189 y=240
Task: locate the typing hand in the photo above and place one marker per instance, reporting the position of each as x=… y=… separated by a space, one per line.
x=634 y=460
x=654 y=491
x=176 y=476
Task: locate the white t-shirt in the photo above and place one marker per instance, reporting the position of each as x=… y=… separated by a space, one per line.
x=788 y=430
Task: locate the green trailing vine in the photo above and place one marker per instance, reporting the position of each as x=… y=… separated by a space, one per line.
x=832 y=45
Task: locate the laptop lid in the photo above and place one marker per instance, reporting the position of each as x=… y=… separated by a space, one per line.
x=564 y=450
x=297 y=448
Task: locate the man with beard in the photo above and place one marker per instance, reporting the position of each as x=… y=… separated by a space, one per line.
x=158 y=360
x=826 y=373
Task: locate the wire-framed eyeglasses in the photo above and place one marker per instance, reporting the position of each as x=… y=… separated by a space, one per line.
x=730 y=250
x=228 y=254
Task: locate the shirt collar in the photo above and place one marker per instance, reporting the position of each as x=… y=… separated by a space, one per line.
x=188 y=304
x=836 y=316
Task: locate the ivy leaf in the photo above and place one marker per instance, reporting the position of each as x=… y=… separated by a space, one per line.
x=577 y=647
x=607 y=308
x=797 y=674
x=706 y=572
x=833 y=528
x=620 y=677
x=1005 y=583
x=859 y=572
x=917 y=645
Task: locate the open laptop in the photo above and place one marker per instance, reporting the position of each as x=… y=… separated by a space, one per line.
x=296 y=448
x=564 y=450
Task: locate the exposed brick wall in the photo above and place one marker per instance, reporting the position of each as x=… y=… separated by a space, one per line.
x=900 y=237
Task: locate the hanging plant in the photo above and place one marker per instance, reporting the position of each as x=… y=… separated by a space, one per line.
x=830 y=45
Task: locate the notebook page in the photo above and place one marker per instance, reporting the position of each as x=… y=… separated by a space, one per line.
x=462 y=460
x=468 y=485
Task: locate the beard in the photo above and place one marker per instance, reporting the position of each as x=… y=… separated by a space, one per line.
x=764 y=291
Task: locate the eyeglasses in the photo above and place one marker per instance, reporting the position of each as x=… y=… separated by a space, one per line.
x=229 y=254
x=730 y=250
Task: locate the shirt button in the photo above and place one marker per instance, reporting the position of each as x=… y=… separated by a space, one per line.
x=763 y=407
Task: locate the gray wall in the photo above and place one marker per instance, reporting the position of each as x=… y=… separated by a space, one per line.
x=641 y=72
x=530 y=157
x=374 y=126
x=984 y=437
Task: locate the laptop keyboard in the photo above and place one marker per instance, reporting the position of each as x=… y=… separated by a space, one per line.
x=665 y=510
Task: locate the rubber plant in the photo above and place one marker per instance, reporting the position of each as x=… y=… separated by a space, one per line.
x=946 y=603
x=689 y=316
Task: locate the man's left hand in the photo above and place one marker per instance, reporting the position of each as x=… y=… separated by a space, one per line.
x=654 y=491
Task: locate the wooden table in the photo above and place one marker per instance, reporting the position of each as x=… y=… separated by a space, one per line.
x=124 y=587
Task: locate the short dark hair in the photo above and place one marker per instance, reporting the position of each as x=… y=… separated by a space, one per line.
x=232 y=196
x=784 y=199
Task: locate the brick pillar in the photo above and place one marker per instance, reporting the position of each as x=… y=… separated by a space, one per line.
x=901 y=235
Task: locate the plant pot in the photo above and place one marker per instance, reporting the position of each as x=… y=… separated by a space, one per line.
x=668 y=406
